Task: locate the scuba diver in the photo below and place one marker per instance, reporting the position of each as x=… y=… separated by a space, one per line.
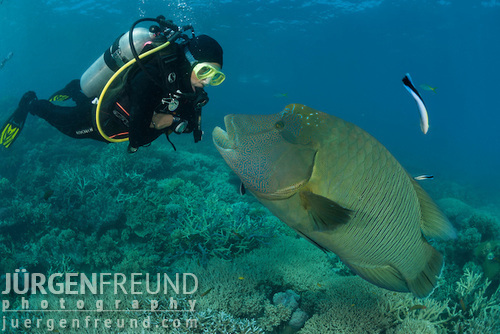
x=148 y=83
x=5 y=60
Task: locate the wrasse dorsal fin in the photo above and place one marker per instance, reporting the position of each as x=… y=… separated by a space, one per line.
x=327 y=214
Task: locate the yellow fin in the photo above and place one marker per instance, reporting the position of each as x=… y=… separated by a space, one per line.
x=434 y=223
x=327 y=214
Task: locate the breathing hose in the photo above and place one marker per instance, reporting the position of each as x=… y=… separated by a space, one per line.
x=137 y=58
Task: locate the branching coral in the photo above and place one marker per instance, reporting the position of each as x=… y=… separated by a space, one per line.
x=274 y=316
x=127 y=213
x=404 y=306
x=476 y=309
x=229 y=287
x=469 y=309
x=414 y=326
x=348 y=305
x=224 y=323
x=202 y=224
x=131 y=307
x=245 y=286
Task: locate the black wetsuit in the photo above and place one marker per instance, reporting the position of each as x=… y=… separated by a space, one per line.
x=69 y=111
x=73 y=113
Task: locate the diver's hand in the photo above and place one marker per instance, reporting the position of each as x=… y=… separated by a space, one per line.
x=161 y=121
x=131 y=149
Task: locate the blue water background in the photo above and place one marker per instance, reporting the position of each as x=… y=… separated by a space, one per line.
x=346 y=58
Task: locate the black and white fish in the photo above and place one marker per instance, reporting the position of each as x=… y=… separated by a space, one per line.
x=424 y=118
x=424 y=177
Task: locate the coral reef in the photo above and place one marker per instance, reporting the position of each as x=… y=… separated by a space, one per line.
x=91 y=208
x=290 y=299
x=251 y=286
x=414 y=326
x=348 y=305
x=469 y=308
x=474 y=226
x=108 y=215
x=478 y=309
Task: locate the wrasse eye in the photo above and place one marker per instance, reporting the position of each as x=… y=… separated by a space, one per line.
x=279 y=125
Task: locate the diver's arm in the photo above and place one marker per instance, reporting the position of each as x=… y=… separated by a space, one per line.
x=144 y=96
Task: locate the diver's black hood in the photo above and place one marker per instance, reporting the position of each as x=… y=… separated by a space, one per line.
x=205 y=49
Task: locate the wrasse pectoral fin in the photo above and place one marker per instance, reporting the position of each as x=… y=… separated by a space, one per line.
x=327 y=214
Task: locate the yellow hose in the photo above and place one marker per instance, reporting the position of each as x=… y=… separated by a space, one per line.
x=110 y=81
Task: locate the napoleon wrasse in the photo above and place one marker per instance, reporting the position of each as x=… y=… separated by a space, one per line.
x=341 y=189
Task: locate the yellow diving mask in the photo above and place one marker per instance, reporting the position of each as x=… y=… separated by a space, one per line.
x=204 y=71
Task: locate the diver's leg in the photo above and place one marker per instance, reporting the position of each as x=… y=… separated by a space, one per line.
x=75 y=122
x=70 y=95
x=26 y=100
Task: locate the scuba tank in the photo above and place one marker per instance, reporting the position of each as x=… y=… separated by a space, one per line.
x=114 y=63
x=96 y=76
